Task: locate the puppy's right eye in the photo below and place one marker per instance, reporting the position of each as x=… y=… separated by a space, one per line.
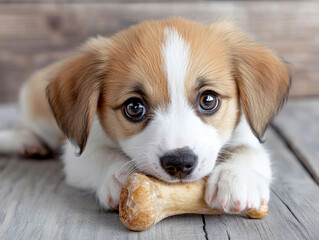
x=134 y=109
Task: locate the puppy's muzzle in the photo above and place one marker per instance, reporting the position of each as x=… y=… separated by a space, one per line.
x=179 y=162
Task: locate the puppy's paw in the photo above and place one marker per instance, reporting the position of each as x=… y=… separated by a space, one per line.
x=236 y=187
x=109 y=191
x=23 y=142
x=34 y=150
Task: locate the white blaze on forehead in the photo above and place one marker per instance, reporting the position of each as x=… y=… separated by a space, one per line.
x=176 y=57
x=178 y=114
x=177 y=125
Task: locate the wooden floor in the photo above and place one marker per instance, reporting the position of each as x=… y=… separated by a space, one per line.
x=37 y=204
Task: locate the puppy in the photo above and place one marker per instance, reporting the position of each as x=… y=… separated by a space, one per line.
x=174 y=99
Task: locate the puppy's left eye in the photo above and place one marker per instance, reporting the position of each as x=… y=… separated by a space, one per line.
x=134 y=109
x=209 y=102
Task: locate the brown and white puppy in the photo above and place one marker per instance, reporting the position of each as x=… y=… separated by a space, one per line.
x=175 y=99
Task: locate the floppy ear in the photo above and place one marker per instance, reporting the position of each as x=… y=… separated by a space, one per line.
x=262 y=78
x=263 y=81
x=74 y=91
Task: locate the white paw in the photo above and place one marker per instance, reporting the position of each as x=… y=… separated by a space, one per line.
x=236 y=187
x=110 y=189
x=23 y=142
x=34 y=150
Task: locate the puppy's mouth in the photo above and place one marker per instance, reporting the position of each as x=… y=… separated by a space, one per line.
x=183 y=167
x=169 y=179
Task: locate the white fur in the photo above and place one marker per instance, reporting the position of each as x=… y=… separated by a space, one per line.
x=48 y=133
x=101 y=168
x=242 y=181
x=18 y=140
x=30 y=134
x=177 y=125
x=175 y=53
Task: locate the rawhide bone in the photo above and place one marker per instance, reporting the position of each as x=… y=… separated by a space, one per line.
x=145 y=201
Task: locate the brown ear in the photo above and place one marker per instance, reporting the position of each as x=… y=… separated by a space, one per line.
x=262 y=78
x=263 y=82
x=73 y=94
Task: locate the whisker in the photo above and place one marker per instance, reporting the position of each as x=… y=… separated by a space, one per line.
x=131 y=161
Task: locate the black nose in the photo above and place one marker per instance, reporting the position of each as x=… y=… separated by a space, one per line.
x=180 y=162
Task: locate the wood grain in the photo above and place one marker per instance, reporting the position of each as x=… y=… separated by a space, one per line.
x=293 y=206
x=37 y=204
x=298 y=124
x=35 y=34
x=120 y=1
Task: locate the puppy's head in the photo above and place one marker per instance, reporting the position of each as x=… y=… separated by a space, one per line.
x=169 y=93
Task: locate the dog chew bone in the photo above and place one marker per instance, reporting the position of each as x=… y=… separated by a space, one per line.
x=144 y=201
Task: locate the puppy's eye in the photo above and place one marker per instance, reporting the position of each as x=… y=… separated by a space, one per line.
x=209 y=102
x=134 y=109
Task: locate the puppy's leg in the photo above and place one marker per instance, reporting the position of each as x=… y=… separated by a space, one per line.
x=241 y=180
x=37 y=133
x=23 y=142
x=101 y=168
x=110 y=187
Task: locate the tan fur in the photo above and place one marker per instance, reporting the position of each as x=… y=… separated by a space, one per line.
x=210 y=60
x=262 y=78
x=108 y=71
x=73 y=95
x=263 y=82
x=134 y=59
x=38 y=107
x=34 y=96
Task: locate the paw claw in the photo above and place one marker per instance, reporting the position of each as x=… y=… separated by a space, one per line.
x=112 y=204
x=249 y=206
x=224 y=204
x=237 y=206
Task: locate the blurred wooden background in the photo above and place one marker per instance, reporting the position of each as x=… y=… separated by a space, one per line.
x=33 y=34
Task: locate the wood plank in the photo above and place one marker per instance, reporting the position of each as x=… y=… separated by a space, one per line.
x=34 y=35
x=117 y=1
x=298 y=123
x=294 y=204
x=37 y=204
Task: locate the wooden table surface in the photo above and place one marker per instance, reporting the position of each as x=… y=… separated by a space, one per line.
x=37 y=204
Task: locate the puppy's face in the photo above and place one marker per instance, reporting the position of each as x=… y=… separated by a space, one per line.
x=170 y=93
x=170 y=98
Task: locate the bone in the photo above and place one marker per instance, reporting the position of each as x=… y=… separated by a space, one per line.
x=145 y=201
